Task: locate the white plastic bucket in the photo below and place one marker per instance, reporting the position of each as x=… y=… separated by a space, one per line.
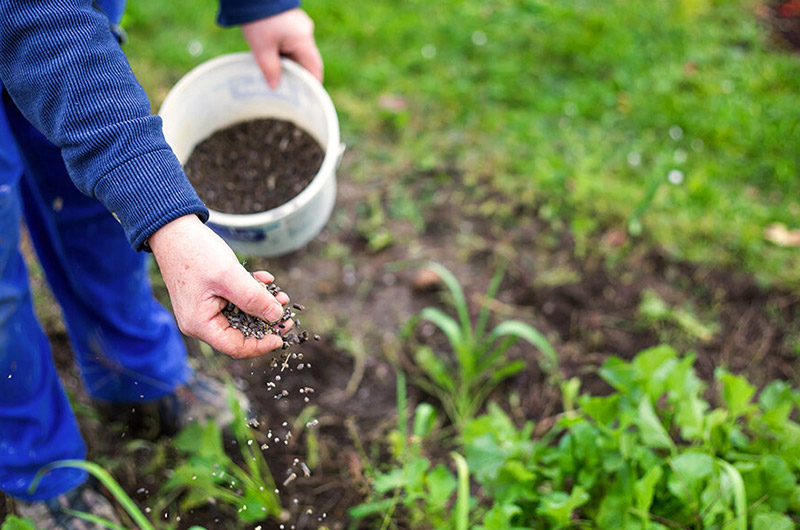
x=231 y=89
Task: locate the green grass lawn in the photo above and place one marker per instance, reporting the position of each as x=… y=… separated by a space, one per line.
x=583 y=107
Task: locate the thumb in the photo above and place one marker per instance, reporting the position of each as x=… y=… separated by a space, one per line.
x=250 y=296
x=269 y=61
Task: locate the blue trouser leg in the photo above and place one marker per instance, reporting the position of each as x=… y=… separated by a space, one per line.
x=36 y=423
x=126 y=344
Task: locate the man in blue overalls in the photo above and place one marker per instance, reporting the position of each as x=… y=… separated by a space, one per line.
x=78 y=143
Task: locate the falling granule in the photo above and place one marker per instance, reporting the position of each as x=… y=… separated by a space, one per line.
x=289 y=479
x=312 y=423
x=306 y=471
x=264 y=447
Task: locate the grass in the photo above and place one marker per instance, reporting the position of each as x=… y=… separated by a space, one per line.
x=581 y=107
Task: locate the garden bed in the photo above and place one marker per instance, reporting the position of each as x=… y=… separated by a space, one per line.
x=359 y=298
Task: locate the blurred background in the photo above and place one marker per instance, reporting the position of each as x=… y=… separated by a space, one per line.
x=673 y=121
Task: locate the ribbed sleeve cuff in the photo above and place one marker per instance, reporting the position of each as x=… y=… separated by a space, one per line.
x=148 y=192
x=234 y=12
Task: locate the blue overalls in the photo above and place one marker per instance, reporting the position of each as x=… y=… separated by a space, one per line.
x=126 y=344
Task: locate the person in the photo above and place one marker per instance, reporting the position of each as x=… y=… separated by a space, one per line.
x=86 y=164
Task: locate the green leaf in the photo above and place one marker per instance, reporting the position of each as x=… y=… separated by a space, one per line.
x=529 y=334
x=447 y=324
x=558 y=506
x=777 y=402
x=460 y=303
x=105 y=478
x=604 y=410
x=772 y=521
x=507 y=371
x=461 y=510
x=483 y=316
x=13 y=522
x=652 y=432
x=689 y=416
x=371 y=508
x=690 y=470
x=435 y=368
x=424 y=420
x=500 y=515
x=778 y=481
x=618 y=374
x=736 y=392
x=645 y=489
x=441 y=485
x=653 y=367
x=733 y=479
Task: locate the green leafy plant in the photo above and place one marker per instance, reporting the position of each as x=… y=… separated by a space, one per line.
x=208 y=472
x=654 y=454
x=479 y=361
x=661 y=451
x=425 y=491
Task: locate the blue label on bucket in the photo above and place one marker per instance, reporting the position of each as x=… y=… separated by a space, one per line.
x=248 y=235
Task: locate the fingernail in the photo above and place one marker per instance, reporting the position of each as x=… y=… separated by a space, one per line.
x=274 y=313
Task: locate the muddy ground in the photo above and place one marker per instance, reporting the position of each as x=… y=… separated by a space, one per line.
x=359 y=296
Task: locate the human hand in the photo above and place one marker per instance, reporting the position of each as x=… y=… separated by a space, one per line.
x=289 y=34
x=202 y=274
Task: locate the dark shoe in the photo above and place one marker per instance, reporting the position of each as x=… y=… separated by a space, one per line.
x=53 y=514
x=201 y=400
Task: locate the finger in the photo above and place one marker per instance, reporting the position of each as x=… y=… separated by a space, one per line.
x=264 y=276
x=309 y=58
x=248 y=295
x=270 y=63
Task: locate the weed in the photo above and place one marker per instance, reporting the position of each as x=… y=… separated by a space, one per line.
x=208 y=472
x=423 y=490
x=479 y=359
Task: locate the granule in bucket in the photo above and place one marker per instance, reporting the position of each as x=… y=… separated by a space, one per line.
x=253 y=166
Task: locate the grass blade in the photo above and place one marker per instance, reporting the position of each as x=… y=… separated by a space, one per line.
x=446 y=323
x=739 y=493
x=483 y=316
x=461 y=513
x=106 y=480
x=96 y=519
x=527 y=333
x=460 y=303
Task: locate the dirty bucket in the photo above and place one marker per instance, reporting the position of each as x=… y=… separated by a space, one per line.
x=231 y=89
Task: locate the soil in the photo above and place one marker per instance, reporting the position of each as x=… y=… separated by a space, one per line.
x=253 y=166
x=358 y=300
x=784 y=16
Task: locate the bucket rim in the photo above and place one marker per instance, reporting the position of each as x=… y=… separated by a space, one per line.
x=332 y=146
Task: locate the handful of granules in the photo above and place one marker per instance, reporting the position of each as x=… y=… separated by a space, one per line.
x=258 y=328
